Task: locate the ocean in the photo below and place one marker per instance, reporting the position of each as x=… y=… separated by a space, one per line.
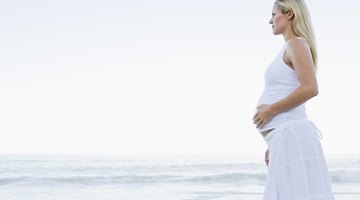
x=153 y=177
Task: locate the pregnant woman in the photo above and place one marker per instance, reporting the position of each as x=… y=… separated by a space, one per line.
x=297 y=169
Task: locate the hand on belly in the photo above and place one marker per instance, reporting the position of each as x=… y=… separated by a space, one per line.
x=263 y=115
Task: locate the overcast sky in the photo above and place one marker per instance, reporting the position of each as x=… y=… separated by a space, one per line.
x=161 y=76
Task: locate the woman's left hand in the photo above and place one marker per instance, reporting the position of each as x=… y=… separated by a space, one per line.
x=263 y=115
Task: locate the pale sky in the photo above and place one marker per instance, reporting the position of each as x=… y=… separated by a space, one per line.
x=161 y=76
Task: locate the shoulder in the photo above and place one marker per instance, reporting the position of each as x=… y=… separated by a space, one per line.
x=297 y=45
x=297 y=48
x=297 y=52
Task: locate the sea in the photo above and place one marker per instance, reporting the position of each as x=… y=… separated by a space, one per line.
x=153 y=177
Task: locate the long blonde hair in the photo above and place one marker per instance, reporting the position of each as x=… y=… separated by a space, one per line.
x=301 y=24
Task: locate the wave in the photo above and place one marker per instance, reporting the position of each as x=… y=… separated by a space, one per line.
x=339 y=177
x=25 y=171
x=345 y=176
x=238 y=178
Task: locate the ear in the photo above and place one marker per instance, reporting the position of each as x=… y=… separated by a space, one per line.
x=290 y=14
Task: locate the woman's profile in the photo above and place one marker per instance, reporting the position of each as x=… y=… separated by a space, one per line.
x=297 y=168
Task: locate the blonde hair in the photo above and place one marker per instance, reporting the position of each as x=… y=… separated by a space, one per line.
x=301 y=23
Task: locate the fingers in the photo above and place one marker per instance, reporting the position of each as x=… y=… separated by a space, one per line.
x=261 y=117
x=256 y=119
x=259 y=106
x=255 y=116
x=259 y=123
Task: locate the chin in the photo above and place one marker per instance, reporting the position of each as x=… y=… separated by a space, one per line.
x=276 y=33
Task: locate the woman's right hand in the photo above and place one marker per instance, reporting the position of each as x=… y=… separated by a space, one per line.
x=267 y=152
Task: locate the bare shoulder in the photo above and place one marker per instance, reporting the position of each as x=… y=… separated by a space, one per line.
x=298 y=53
x=298 y=45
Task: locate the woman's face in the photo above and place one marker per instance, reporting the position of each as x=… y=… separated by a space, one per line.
x=279 y=21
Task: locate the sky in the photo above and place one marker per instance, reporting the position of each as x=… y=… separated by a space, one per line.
x=161 y=77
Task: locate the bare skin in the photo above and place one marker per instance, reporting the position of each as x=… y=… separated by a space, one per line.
x=298 y=57
x=267 y=152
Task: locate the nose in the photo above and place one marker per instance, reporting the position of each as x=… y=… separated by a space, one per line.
x=271 y=20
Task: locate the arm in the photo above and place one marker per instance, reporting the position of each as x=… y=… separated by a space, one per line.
x=298 y=55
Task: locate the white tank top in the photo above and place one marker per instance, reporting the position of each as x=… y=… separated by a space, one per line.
x=280 y=81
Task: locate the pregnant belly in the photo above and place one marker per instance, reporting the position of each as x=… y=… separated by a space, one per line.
x=264 y=133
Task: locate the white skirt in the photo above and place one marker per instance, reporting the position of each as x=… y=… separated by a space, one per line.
x=297 y=167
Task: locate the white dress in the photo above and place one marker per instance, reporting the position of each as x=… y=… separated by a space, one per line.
x=297 y=167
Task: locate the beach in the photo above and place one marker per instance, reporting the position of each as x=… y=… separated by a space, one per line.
x=152 y=177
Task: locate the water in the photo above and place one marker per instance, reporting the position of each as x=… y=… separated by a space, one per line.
x=216 y=177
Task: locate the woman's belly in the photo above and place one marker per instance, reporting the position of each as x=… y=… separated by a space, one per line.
x=265 y=133
x=293 y=116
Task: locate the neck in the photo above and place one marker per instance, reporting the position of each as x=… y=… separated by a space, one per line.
x=289 y=34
